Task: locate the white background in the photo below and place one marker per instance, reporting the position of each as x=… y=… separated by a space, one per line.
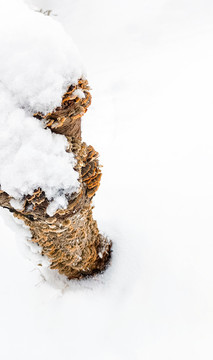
x=150 y=65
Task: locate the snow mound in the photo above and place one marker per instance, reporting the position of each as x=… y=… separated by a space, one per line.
x=31 y=157
x=38 y=62
x=38 y=58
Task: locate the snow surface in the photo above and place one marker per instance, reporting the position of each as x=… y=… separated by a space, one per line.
x=38 y=62
x=150 y=66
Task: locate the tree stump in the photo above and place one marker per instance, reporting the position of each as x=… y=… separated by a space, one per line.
x=70 y=238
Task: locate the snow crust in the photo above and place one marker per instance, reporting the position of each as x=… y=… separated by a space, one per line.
x=38 y=62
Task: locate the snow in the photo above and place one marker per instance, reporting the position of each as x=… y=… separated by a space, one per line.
x=79 y=93
x=38 y=59
x=150 y=66
x=31 y=157
x=38 y=62
x=59 y=202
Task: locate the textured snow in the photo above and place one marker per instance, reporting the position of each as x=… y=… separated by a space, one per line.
x=38 y=61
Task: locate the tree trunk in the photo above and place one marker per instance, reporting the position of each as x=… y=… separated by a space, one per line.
x=70 y=238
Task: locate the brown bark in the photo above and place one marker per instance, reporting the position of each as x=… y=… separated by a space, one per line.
x=70 y=239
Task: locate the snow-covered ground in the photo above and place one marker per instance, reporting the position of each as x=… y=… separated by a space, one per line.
x=149 y=63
